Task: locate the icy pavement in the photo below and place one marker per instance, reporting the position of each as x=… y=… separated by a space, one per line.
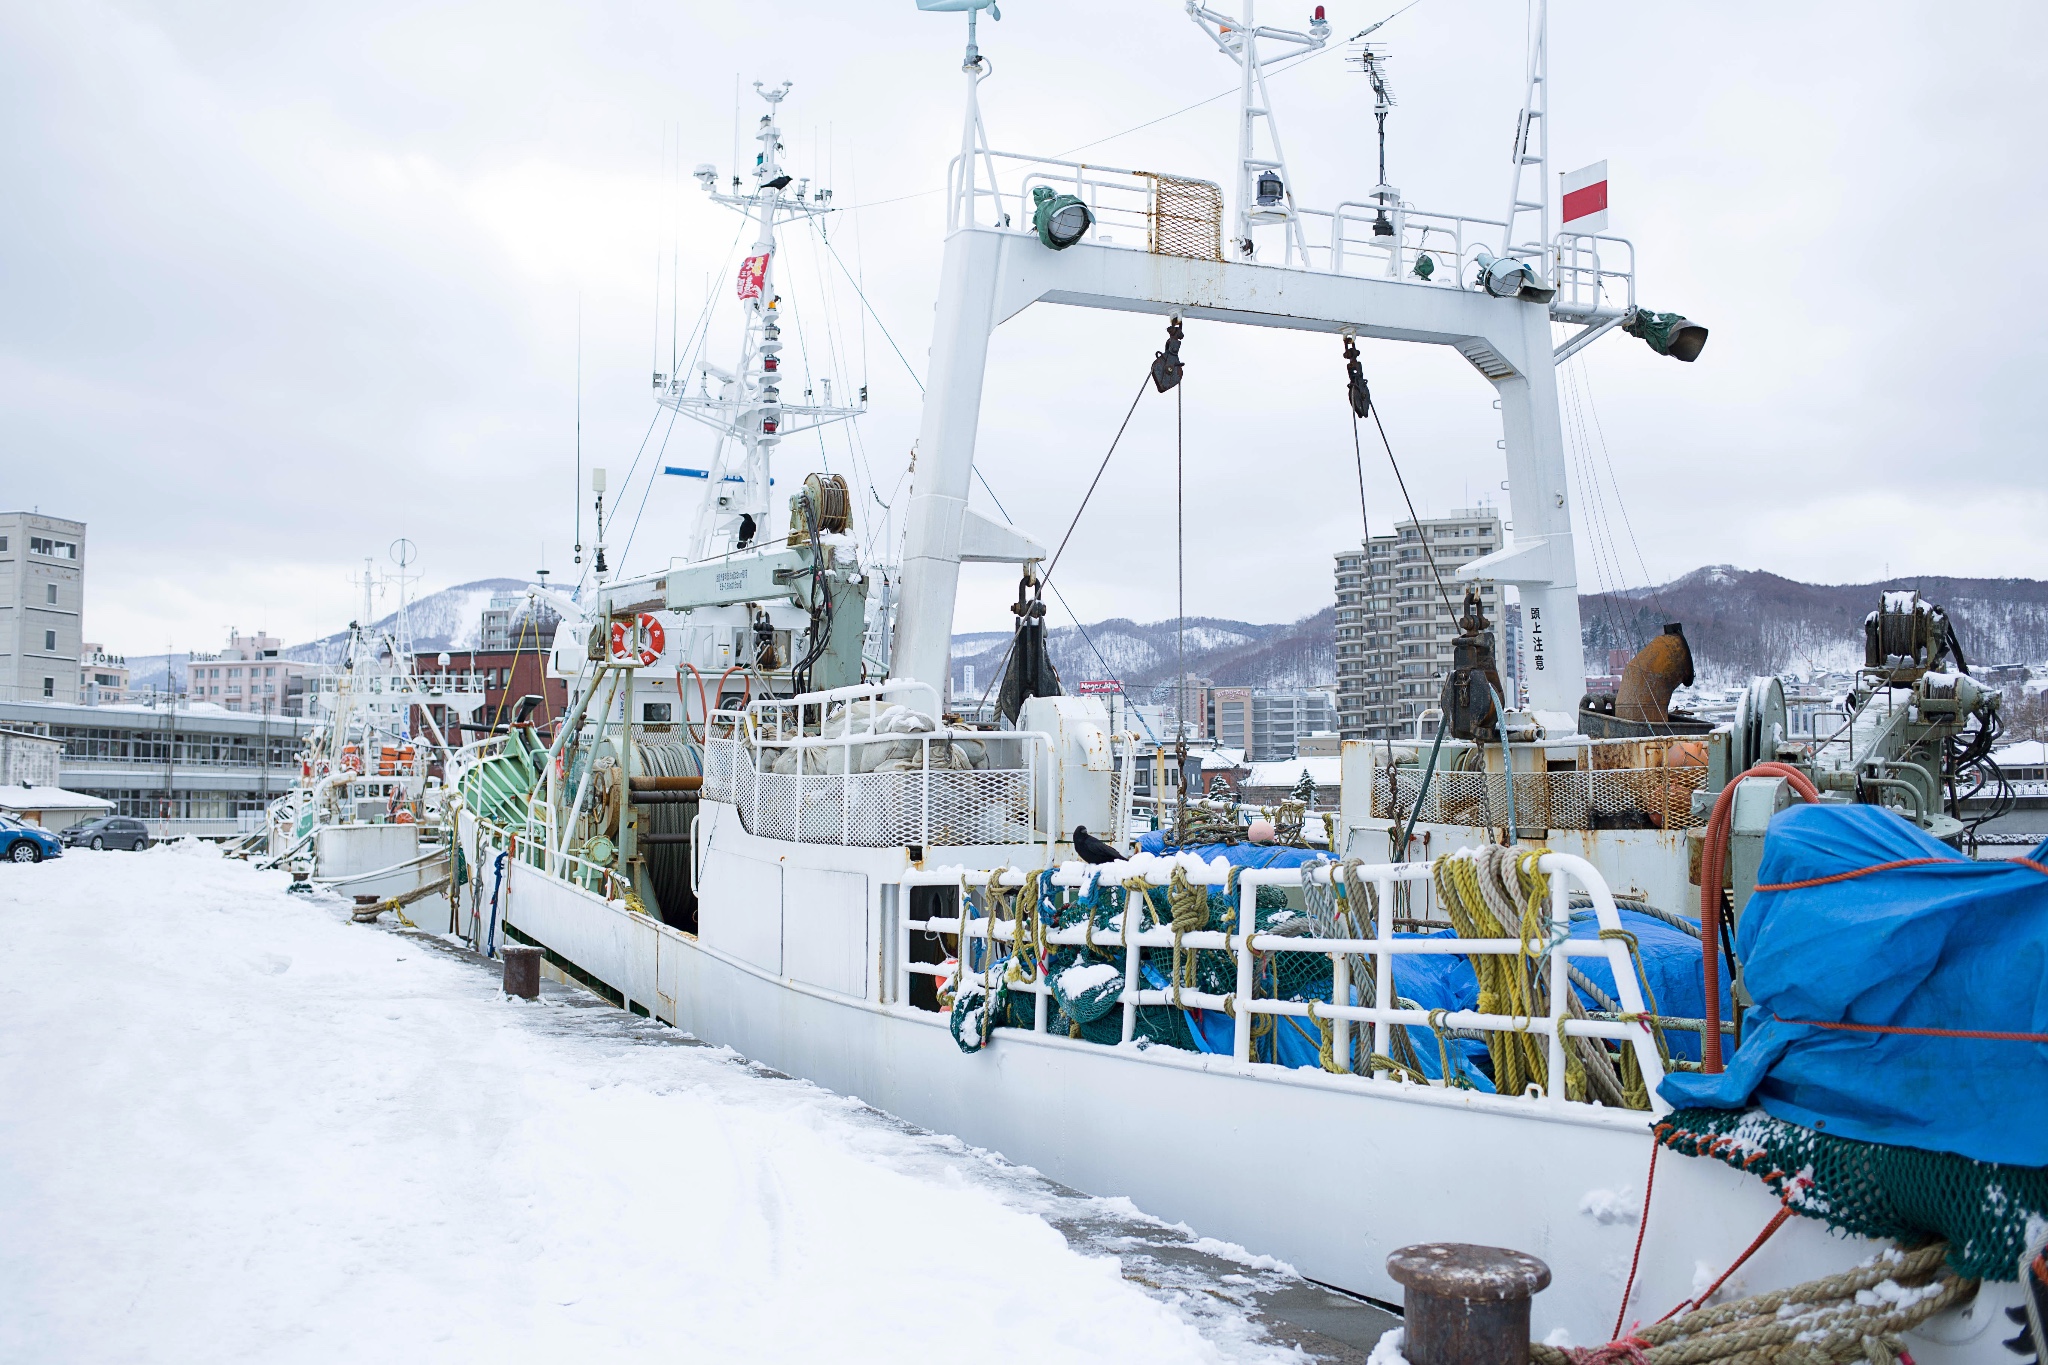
x=235 y=1126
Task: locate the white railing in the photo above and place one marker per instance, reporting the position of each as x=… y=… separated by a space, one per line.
x=1554 y=956
x=791 y=781
x=1594 y=275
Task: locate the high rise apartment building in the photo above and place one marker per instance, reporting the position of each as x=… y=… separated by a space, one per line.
x=1394 y=629
x=42 y=600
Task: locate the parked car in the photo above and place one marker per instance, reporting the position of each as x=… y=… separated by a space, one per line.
x=109 y=831
x=20 y=843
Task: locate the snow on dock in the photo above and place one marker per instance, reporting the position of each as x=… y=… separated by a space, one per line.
x=236 y=1126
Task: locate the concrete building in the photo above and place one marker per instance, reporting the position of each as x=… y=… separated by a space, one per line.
x=184 y=771
x=249 y=676
x=42 y=597
x=103 y=676
x=1394 y=629
x=1268 y=723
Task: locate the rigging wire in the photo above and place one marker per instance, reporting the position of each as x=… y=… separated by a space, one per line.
x=1592 y=406
x=1099 y=470
x=1428 y=553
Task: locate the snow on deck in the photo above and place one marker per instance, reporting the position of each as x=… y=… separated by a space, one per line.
x=238 y=1127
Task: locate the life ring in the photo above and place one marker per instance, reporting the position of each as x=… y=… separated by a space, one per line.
x=648 y=630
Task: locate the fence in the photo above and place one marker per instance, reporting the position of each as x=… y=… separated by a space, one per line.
x=1376 y=952
x=934 y=788
x=1612 y=798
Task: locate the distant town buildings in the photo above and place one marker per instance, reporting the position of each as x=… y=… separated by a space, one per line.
x=1394 y=628
x=249 y=676
x=42 y=591
x=103 y=676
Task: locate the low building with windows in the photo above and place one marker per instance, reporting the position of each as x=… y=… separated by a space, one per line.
x=181 y=769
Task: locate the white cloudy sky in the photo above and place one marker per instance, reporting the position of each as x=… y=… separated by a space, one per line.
x=279 y=284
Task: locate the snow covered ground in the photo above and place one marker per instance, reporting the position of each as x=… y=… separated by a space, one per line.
x=235 y=1127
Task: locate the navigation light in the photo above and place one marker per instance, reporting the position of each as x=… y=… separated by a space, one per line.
x=1670 y=334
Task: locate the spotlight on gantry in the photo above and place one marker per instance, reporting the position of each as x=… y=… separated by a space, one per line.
x=1670 y=334
x=1507 y=278
x=1061 y=219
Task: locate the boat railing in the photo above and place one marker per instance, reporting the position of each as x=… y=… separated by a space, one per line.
x=1172 y=215
x=1352 y=1026
x=531 y=847
x=1597 y=798
x=1166 y=215
x=922 y=784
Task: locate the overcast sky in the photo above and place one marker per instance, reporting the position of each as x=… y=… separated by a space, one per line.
x=280 y=284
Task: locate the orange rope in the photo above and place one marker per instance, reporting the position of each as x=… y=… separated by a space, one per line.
x=1713 y=861
x=1863 y=872
x=1925 y=1032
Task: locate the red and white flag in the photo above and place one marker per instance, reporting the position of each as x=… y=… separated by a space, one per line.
x=753 y=271
x=1585 y=199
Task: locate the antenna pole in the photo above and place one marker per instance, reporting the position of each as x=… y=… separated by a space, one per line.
x=1532 y=127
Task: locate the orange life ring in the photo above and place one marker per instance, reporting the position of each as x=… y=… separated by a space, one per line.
x=649 y=631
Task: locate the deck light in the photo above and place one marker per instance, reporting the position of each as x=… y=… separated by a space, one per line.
x=1061 y=219
x=1425 y=266
x=1507 y=278
x=1271 y=190
x=1669 y=334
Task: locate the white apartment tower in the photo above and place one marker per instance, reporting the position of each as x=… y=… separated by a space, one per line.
x=42 y=599
x=1394 y=630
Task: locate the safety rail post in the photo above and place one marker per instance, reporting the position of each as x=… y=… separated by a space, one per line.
x=1383 y=966
x=1241 y=1033
x=1340 y=994
x=1560 y=983
x=1132 y=955
x=925 y=830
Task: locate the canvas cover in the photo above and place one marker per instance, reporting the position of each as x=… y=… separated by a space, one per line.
x=1869 y=921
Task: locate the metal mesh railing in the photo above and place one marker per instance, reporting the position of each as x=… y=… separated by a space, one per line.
x=1613 y=798
x=1185 y=218
x=938 y=807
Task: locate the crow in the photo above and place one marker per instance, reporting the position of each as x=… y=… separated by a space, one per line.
x=1093 y=850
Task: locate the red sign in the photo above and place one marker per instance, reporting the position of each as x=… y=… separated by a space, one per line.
x=753 y=271
x=1585 y=199
x=1107 y=687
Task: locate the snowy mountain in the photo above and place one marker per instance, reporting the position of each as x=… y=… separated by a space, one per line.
x=1145 y=657
x=450 y=619
x=1746 y=622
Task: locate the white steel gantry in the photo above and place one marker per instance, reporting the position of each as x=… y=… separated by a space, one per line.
x=744 y=404
x=1440 y=292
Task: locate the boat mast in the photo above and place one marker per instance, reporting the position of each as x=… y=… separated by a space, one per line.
x=1264 y=193
x=747 y=410
x=1533 y=126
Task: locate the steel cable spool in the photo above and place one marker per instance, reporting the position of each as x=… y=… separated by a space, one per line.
x=668 y=864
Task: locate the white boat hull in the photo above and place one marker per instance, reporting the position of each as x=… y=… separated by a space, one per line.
x=1328 y=1173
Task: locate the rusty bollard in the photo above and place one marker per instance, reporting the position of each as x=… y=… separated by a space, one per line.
x=522 y=971
x=1466 y=1305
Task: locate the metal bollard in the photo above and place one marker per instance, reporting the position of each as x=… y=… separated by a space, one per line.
x=522 y=970
x=1466 y=1305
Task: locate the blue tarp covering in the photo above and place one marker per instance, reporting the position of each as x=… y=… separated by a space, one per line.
x=1946 y=944
x=1237 y=855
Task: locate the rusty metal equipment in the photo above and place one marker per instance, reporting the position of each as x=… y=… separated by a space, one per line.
x=1473 y=689
x=1659 y=668
x=1465 y=1304
x=522 y=970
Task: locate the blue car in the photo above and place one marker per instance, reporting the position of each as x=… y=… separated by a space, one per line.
x=21 y=843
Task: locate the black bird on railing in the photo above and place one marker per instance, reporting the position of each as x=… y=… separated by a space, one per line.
x=1093 y=850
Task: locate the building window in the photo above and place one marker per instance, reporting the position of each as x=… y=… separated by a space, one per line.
x=50 y=593
x=49 y=687
x=49 y=639
x=3 y=545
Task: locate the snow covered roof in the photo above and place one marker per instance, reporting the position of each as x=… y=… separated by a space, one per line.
x=1327 y=770
x=19 y=798
x=2026 y=753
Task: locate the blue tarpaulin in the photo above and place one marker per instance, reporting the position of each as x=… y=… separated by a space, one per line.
x=1871 y=922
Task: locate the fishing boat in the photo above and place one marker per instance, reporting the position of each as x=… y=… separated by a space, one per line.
x=366 y=817
x=1478 y=1015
